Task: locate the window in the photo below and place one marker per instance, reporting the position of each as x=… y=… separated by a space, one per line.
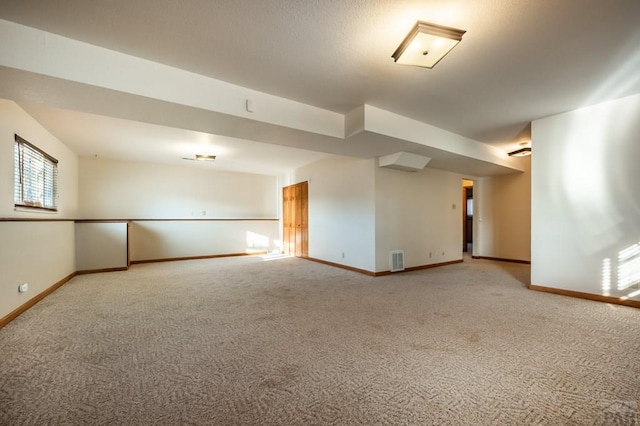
x=35 y=182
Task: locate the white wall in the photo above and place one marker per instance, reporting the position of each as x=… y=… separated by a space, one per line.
x=198 y=196
x=40 y=253
x=101 y=245
x=586 y=197
x=151 y=240
x=112 y=189
x=37 y=253
x=363 y=211
x=419 y=213
x=502 y=222
x=341 y=210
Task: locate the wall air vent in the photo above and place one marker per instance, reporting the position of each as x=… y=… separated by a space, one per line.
x=396 y=260
x=404 y=161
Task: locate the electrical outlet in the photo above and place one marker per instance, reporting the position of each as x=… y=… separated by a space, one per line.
x=343 y=255
x=22 y=288
x=204 y=212
x=429 y=255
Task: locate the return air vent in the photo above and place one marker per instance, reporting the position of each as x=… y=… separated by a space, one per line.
x=404 y=161
x=396 y=260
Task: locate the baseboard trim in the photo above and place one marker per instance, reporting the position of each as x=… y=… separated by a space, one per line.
x=97 y=271
x=338 y=265
x=209 y=256
x=501 y=259
x=29 y=303
x=421 y=267
x=383 y=273
x=588 y=296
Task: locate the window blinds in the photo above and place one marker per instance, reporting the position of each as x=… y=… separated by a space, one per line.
x=35 y=177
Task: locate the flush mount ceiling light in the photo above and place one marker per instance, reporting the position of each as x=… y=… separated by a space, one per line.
x=201 y=157
x=522 y=152
x=426 y=44
x=205 y=157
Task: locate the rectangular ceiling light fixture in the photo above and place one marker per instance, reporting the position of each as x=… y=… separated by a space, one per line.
x=426 y=44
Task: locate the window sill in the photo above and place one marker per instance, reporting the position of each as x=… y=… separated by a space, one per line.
x=38 y=210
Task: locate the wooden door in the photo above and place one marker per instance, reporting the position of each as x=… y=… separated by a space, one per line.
x=288 y=231
x=295 y=233
x=298 y=219
x=304 y=220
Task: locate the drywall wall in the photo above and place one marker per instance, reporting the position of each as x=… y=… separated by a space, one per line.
x=341 y=210
x=586 y=199
x=112 y=189
x=185 y=205
x=38 y=253
x=419 y=213
x=151 y=240
x=502 y=222
x=41 y=251
x=364 y=211
x=101 y=246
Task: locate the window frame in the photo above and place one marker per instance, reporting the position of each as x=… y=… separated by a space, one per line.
x=46 y=190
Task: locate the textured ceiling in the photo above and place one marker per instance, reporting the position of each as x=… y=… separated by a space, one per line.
x=519 y=60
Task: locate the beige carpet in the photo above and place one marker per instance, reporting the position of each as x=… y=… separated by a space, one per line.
x=292 y=342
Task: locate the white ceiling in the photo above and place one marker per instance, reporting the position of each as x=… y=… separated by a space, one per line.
x=519 y=60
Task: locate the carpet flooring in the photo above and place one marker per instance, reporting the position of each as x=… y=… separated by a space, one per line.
x=246 y=341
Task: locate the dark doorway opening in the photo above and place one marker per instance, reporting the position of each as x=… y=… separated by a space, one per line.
x=467 y=215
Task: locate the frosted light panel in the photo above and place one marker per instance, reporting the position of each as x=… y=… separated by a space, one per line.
x=435 y=48
x=426 y=44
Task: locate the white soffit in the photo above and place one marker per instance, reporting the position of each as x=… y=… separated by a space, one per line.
x=61 y=59
x=404 y=161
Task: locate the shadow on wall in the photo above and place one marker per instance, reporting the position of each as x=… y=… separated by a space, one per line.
x=146 y=240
